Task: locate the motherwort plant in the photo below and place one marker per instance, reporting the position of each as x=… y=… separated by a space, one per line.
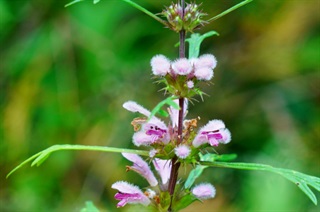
x=180 y=142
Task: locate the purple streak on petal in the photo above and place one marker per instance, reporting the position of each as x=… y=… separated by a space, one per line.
x=129 y=194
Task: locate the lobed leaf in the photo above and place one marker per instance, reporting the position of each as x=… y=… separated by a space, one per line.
x=40 y=157
x=303 y=181
x=195 y=42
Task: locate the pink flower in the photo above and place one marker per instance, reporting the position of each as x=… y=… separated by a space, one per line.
x=213 y=133
x=204 y=191
x=190 y=84
x=204 y=73
x=160 y=65
x=152 y=131
x=206 y=61
x=163 y=167
x=182 y=151
x=129 y=194
x=141 y=167
x=181 y=66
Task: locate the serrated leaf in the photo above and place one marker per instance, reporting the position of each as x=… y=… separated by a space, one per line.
x=195 y=42
x=40 y=157
x=303 y=181
x=90 y=207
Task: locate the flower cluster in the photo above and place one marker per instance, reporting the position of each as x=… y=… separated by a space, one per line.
x=131 y=194
x=183 y=74
x=156 y=134
x=163 y=139
x=188 y=20
x=196 y=68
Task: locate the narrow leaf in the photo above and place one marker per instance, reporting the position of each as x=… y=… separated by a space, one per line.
x=145 y=11
x=195 y=42
x=303 y=181
x=40 y=157
x=196 y=172
x=230 y=10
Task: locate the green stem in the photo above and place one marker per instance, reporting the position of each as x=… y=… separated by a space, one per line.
x=230 y=10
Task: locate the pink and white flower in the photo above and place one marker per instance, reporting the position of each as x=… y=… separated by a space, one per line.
x=160 y=65
x=204 y=191
x=129 y=194
x=181 y=66
x=212 y=133
x=152 y=131
x=182 y=151
x=141 y=167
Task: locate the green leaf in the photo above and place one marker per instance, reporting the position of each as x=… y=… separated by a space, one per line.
x=40 y=157
x=195 y=41
x=165 y=199
x=89 y=207
x=303 y=181
x=168 y=101
x=184 y=202
x=96 y=1
x=216 y=157
x=163 y=113
x=146 y=11
x=196 y=172
x=193 y=175
x=230 y=10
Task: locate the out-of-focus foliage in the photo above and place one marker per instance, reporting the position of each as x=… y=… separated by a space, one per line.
x=65 y=72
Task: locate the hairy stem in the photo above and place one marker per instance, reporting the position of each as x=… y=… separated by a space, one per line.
x=174 y=164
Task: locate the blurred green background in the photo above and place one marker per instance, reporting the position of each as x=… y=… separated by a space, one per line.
x=65 y=73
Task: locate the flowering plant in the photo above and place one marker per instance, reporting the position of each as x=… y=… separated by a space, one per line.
x=180 y=142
